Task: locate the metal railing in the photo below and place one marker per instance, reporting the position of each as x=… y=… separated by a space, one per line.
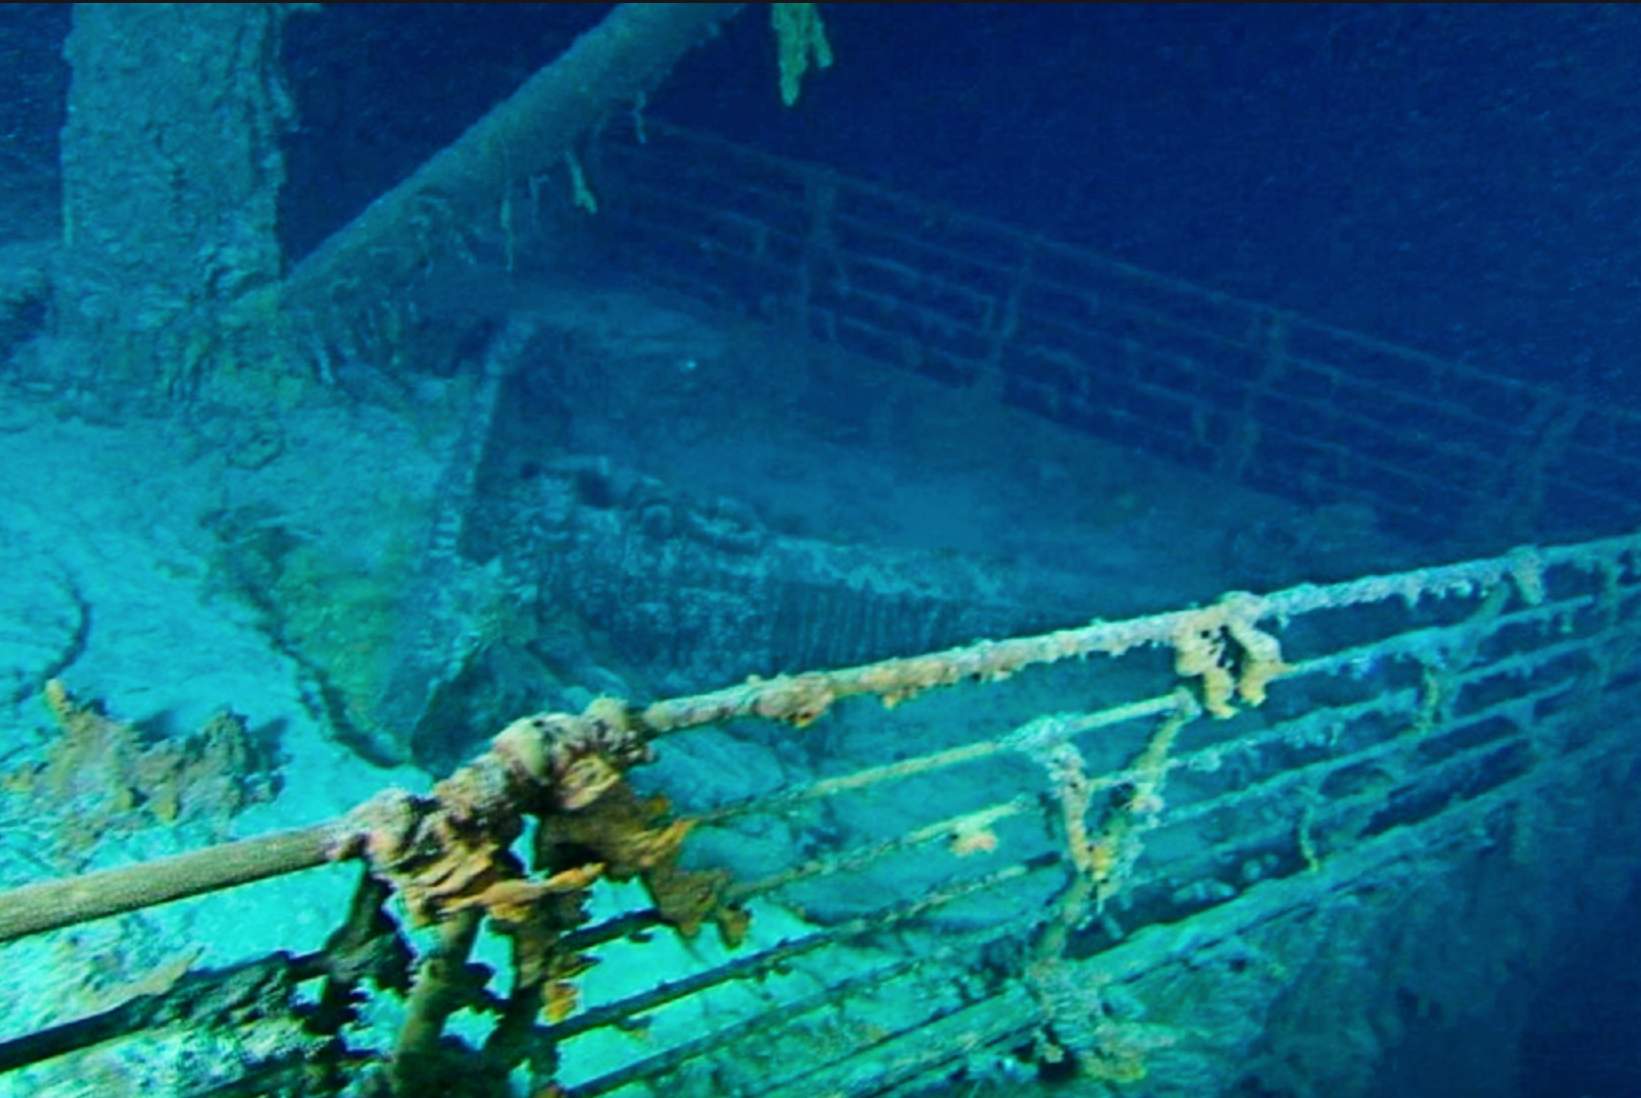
x=976 y=873
x=1252 y=392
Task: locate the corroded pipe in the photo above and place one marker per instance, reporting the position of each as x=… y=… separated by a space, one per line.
x=48 y=905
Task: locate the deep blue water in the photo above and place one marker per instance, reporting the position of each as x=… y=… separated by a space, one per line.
x=1459 y=178
x=1462 y=179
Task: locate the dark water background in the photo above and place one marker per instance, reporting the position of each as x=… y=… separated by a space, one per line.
x=1462 y=179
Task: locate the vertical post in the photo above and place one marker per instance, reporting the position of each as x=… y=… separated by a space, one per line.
x=171 y=169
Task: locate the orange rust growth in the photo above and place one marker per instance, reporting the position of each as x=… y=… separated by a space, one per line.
x=798 y=700
x=630 y=837
x=978 y=841
x=103 y=776
x=562 y=999
x=511 y=899
x=449 y=853
x=1222 y=646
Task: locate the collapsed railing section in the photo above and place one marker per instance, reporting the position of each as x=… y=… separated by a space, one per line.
x=955 y=902
x=1251 y=392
